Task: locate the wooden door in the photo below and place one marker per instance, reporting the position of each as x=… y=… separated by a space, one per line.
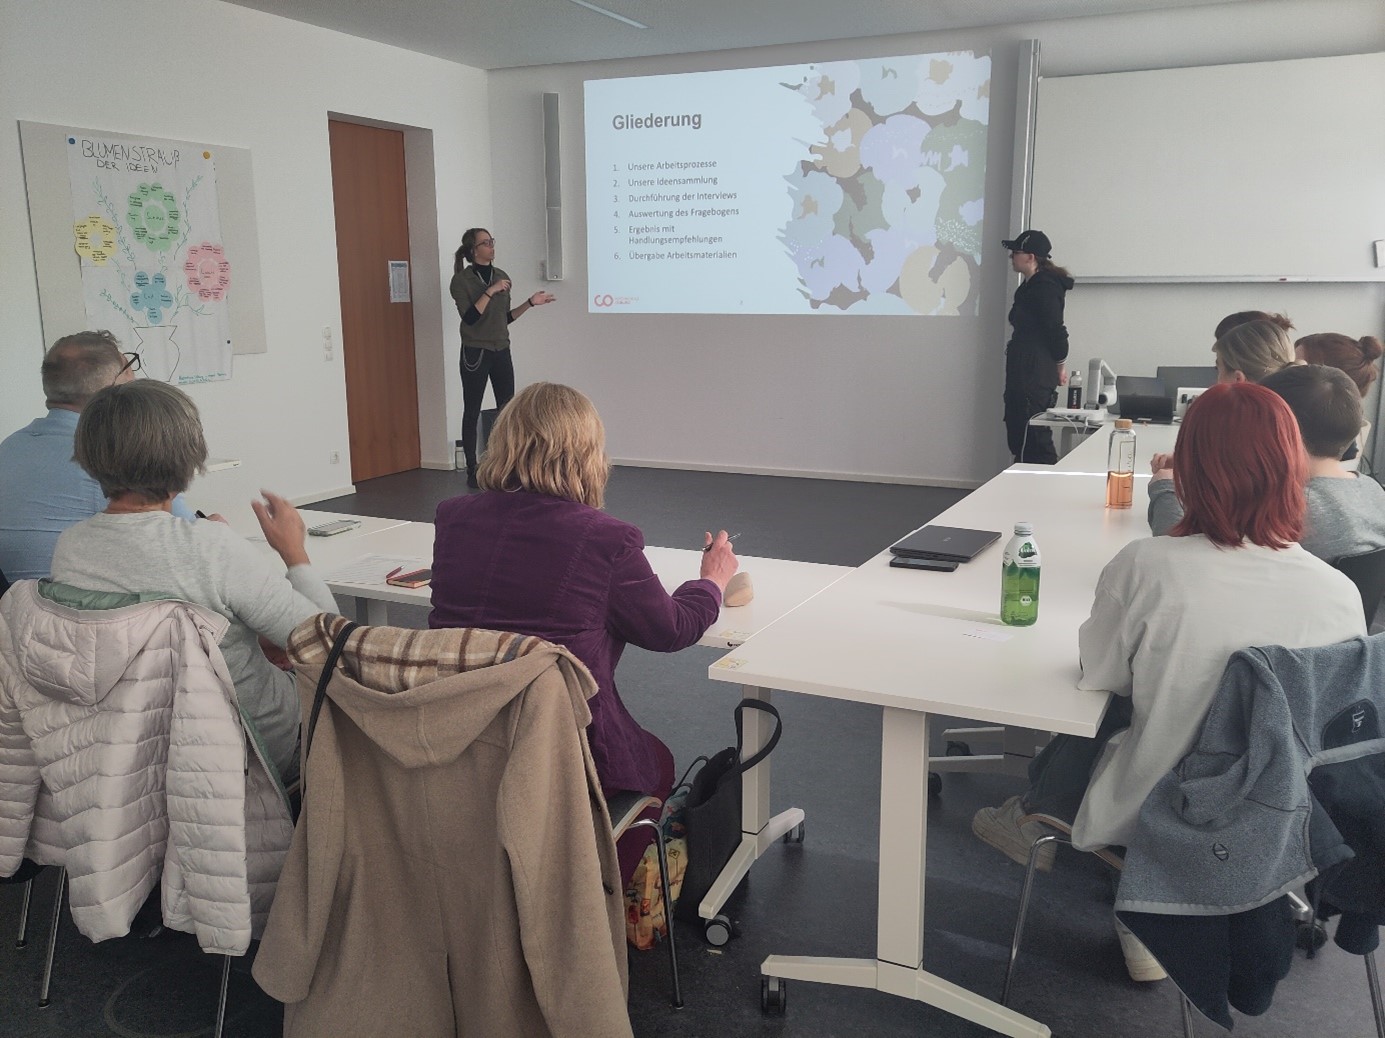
x=372 y=212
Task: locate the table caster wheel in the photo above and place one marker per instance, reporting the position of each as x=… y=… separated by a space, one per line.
x=773 y=995
x=1311 y=936
x=956 y=748
x=794 y=835
x=935 y=784
x=717 y=931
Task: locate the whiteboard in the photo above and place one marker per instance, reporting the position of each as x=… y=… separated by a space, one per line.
x=1228 y=172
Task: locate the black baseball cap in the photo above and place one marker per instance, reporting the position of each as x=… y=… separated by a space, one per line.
x=1031 y=241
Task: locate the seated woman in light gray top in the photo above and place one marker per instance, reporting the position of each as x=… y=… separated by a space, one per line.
x=1248 y=351
x=1346 y=514
x=142 y=441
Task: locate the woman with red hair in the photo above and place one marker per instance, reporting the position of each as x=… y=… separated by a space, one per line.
x=1169 y=611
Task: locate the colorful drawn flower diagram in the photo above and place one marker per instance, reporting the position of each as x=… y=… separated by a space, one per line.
x=208 y=271
x=153 y=217
x=95 y=239
x=151 y=295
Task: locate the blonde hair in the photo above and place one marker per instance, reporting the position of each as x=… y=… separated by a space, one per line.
x=548 y=440
x=1255 y=349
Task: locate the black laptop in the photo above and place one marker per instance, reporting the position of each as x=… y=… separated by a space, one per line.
x=945 y=543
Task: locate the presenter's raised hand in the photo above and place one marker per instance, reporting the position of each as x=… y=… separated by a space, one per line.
x=540 y=298
x=719 y=562
x=496 y=287
x=283 y=527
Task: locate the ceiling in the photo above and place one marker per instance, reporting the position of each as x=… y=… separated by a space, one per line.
x=492 y=34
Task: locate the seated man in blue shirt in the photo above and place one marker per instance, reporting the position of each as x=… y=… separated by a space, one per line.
x=42 y=490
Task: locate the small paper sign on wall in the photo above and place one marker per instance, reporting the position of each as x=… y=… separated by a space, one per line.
x=399 y=281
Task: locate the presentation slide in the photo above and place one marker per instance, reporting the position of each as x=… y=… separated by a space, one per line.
x=843 y=187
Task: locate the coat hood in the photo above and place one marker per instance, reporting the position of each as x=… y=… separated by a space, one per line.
x=1062 y=279
x=424 y=697
x=77 y=655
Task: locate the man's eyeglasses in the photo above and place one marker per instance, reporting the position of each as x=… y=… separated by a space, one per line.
x=132 y=363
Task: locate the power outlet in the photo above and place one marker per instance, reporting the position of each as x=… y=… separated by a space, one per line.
x=334 y=458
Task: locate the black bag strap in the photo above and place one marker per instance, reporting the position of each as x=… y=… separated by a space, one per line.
x=684 y=783
x=327 y=668
x=770 y=744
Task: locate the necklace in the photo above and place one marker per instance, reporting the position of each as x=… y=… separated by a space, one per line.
x=486 y=278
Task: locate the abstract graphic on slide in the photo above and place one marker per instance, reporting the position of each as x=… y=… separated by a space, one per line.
x=848 y=187
x=136 y=206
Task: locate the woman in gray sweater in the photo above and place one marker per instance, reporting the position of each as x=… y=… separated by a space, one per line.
x=142 y=441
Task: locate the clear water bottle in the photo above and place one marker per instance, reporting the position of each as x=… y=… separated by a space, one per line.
x=1120 y=466
x=1019 y=578
x=1075 y=389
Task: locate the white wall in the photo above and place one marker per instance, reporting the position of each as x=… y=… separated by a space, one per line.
x=207 y=71
x=904 y=399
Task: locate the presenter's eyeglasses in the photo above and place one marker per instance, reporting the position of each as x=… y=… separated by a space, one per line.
x=132 y=363
x=485 y=242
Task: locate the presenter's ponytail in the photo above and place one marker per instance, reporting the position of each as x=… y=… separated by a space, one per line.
x=464 y=254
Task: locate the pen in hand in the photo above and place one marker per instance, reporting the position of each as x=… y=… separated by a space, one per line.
x=708 y=547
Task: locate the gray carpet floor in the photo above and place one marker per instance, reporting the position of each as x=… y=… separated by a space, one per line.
x=817 y=898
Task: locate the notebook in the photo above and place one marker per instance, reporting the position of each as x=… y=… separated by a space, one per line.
x=945 y=542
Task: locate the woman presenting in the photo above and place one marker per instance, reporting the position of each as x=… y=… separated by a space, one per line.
x=481 y=291
x=1038 y=348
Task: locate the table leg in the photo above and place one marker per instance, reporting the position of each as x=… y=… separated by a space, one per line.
x=369 y=611
x=759 y=831
x=897 y=968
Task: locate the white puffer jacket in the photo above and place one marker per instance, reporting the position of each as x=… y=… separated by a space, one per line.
x=131 y=710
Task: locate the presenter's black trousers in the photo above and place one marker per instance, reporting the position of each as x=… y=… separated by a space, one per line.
x=479 y=367
x=1026 y=443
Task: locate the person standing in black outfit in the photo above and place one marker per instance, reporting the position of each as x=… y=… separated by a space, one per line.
x=481 y=291
x=1036 y=355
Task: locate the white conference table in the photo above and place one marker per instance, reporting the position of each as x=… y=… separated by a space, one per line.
x=918 y=643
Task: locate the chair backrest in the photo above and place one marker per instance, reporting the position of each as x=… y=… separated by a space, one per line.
x=1367 y=572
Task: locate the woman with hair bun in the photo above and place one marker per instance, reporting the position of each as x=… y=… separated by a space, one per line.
x=1357 y=357
x=1246 y=316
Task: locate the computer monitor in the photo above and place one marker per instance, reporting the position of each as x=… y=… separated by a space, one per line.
x=1144 y=398
x=1176 y=378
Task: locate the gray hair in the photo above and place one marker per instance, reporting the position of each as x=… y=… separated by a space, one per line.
x=80 y=366
x=142 y=438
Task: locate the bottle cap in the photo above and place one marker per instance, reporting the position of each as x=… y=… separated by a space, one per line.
x=1123 y=423
x=1024 y=529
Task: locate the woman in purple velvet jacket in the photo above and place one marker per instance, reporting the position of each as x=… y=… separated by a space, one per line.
x=535 y=554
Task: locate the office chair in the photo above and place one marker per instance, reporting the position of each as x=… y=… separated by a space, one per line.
x=1367 y=572
x=625 y=810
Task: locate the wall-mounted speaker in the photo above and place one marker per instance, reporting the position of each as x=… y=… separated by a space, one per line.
x=553 y=190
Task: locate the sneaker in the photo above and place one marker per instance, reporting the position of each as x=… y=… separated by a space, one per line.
x=1139 y=963
x=1002 y=829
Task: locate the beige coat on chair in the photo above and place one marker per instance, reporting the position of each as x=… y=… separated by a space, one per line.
x=453 y=871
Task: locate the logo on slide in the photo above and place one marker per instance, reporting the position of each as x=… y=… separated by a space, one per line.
x=604 y=300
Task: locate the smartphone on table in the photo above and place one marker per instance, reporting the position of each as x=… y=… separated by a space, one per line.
x=413 y=578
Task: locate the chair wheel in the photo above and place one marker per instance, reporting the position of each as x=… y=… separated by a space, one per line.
x=717 y=931
x=1311 y=936
x=774 y=993
x=935 y=784
x=956 y=748
x=794 y=835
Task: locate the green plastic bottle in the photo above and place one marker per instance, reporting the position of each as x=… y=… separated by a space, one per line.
x=1019 y=578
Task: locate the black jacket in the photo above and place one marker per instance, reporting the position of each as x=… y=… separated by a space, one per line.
x=1038 y=338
